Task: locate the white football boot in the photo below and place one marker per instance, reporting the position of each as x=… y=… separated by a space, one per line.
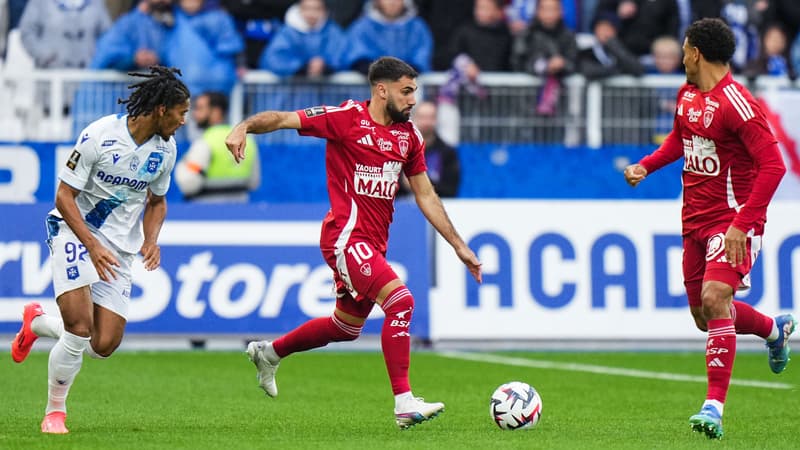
x=262 y=354
x=415 y=411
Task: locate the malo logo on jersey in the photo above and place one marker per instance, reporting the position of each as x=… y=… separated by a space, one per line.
x=154 y=161
x=314 y=111
x=72 y=272
x=377 y=182
x=700 y=156
x=73 y=159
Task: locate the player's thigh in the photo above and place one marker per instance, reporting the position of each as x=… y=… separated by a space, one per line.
x=111 y=303
x=694 y=265
x=719 y=269
x=75 y=307
x=362 y=270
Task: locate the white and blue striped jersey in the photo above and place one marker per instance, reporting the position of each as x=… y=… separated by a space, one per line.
x=113 y=175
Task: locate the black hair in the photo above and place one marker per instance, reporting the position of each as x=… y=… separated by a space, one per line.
x=389 y=68
x=713 y=38
x=217 y=100
x=161 y=88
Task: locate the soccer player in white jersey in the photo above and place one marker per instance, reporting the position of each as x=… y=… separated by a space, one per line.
x=120 y=168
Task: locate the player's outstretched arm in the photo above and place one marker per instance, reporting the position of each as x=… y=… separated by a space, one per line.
x=102 y=258
x=431 y=206
x=263 y=122
x=155 y=211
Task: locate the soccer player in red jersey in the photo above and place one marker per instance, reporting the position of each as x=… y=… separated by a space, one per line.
x=732 y=166
x=368 y=144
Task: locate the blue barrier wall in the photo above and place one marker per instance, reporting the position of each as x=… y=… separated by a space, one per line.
x=297 y=173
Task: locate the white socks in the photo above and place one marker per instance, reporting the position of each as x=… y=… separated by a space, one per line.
x=773 y=335
x=716 y=404
x=401 y=399
x=64 y=364
x=46 y=325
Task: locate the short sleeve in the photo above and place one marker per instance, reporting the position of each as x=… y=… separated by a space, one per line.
x=160 y=184
x=78 y=168
x=326 y=122
x=416 y=157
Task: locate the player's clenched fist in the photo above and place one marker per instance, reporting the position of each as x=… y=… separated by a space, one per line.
x=634 y=174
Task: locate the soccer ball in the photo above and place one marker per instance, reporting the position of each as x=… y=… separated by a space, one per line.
x=515 y=405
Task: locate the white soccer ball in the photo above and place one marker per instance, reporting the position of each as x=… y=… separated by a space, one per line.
x=516 y=406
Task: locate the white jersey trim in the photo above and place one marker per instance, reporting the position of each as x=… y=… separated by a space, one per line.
x=739 y=102
x=732 y=203
x=341 y=243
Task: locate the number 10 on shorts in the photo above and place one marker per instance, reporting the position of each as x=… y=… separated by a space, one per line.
x=360 y=251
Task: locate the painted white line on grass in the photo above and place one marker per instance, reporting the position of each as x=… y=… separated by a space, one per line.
x=603 y=370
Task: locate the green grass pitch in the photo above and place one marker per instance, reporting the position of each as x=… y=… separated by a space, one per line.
x=336 y=400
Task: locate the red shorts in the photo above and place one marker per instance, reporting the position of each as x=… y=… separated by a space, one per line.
x=704 y=260
x=358 y=269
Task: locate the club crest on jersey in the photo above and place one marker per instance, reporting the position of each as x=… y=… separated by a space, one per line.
x=385 y=145
x=715 y=247
x=72 y=162
x=366 y=269
x=154 y=161
x=403 y=144
x=708 y=116
x=134 y=166
x=72 y=272
x=314 y=111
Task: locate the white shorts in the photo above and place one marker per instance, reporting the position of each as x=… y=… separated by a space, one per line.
x=73 y=268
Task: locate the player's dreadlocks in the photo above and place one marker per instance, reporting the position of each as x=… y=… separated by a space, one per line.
x=161 y=87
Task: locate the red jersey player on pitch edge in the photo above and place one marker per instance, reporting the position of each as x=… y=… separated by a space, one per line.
x=368 y=144
x=732 y=166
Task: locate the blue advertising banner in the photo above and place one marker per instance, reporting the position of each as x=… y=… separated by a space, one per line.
x=250 y=269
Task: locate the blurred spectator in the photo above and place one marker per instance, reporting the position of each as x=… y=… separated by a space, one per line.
x=344 y=12
x=786 y=12
x=208 y=172
x=546 y=49
x=257 y=21
x=520 y=14
x=3 y=27
x=486 y=39
x=443 y=17
x=642 y=21
x=212 y=66
x=388 y=28
x=63 y=33
x=773 y=59
x=607 y=56
x=444 y=169
x=15 y=10
x=745 y=32
x=309 y=43
x=202 y=43
x=137 y=39
x=117 y=8
x=667 y=56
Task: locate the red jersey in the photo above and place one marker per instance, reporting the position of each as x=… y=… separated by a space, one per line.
x=732 y=164
x=363 y=160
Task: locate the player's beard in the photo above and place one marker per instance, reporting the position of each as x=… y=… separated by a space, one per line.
x=395 y=114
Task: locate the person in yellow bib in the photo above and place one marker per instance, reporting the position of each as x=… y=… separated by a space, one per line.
x=208 y=172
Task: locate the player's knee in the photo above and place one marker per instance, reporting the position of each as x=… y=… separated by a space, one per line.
x=699 y=318
x=343 y=331
x=104 y=347
x=78 y=327
x=716 y=301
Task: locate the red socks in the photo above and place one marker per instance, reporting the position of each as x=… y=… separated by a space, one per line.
x=749 y=321
x=720 y=353
x=395 y=338
x=315 y=333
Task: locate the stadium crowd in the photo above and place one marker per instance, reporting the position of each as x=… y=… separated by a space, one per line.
x=214 y=41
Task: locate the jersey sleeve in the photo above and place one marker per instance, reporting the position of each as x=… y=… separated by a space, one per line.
x=160 y=184
x=416 y=156
x=78 y=169
x=326 y=122
x=672 y=147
